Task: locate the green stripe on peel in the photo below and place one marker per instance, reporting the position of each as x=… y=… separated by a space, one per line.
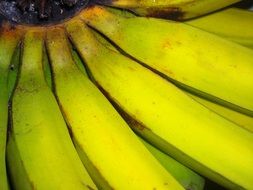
x=186 y=177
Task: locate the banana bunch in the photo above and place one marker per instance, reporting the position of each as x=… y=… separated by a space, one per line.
x=111 y=99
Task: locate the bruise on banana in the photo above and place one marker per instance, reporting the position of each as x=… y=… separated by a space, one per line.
x=172 y=13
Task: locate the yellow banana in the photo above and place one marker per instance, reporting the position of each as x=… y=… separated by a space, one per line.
x=236 y=117
x=171 y=9
x=167 y=117
x=9 y=39
x=40 y=152
x=187 y=178
x=181 y=54
x=111 y=152
x=232 y=23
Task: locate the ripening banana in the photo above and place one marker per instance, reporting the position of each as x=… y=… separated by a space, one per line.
x=9 y=40
x=167 y=117
x=40 y=153
x=232 y=23
x=181 y=54
x=171 y=9
x=186 y=177
x=111 y=152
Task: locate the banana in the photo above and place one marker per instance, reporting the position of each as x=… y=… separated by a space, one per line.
x=167 y=117
x=232 y=23
x=227 y=23
x=181 y=54
x=241 y=120
x=187 y=178
x=175 y=9
x=9 y=39
x=40 y=153
x=111 y=152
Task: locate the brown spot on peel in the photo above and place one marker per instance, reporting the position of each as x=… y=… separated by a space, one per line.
x=172 y=13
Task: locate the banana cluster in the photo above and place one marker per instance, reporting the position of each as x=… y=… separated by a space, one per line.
x=114 y=100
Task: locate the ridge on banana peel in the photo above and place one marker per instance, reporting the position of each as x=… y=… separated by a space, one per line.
x=232 y=23
x=40 y=153
x=9 y=40
x=240 y=119
x=176 y=10
x=166 y=117
x=111 y=152
x=176 y=51
x=188 y=178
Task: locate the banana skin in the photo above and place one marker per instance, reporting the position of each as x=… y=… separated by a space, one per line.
x=240 y=119
x=173 y=50
x=235 y=24
x=167 y=117
x=186 y=177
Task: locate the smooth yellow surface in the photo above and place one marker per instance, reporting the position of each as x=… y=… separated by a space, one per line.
x=101 y=134
x=219 y=148
x=40 y=151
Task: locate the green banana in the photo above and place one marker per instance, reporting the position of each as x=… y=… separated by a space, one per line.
x=173 y=50
x=175 y=9
x=9 y=39
x=40 y=153
x=187 y=178
x=111 y=152
x=167 y=117
x=232 y=23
